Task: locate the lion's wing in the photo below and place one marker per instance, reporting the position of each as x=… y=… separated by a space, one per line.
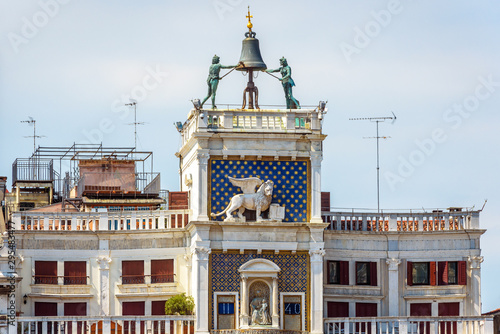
x=247 y=184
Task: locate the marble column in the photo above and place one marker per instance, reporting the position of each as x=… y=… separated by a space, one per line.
x=316 y=159
x=393 y=286
x=316 y=312
x=244 y=303
x=200 y=292
x=475 y=279
x=201 y=207
x=104 y=262
x=275 y=314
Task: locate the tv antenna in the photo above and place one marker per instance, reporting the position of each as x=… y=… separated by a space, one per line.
x=32 y=121
x=377 y=120
x=134 y=104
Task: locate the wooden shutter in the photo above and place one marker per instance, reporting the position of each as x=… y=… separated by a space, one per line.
x=432 y=273
x=373 y=273
x=45 y=272
x=133 y=272
x=162 y=271
x=45 y=309
x=443 y=273
x=420 y=309
x=178 y=200
x=338 y=309
x=325 y=201
x=366 y=309
x=344 y=272
x=75 y=309
x=409 y=270
x=133 y=308
x=462 y=273
x=75 y=272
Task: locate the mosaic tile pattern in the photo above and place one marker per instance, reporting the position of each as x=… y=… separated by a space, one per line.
x=293 y=277
x=289 y=177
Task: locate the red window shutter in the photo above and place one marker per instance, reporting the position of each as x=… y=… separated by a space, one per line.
x=45 y=309
x=158 y=307
x=338 y=309
x=448 y=309
x=162 y=271
x=75 y=309
x=409 y=269
x=133 y=272
x=432 y=273
x=344 y=272
x=133 y=308
x=420 y=310
x=462 y=273
x=75 y=272
x=366 y=309
x=325 y=201
x=45 y=272
x=373 y=273
x=442 y=273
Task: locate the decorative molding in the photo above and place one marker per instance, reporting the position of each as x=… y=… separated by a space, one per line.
x=103 y=262
x=187 y=258
x=203 y=253
x=316 y=255
x=475 y=261
x=203 y=158
x=393 y=263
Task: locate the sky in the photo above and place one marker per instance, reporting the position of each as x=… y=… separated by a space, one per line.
x=71 y=65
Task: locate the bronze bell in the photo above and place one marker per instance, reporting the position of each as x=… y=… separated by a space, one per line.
x=250 y=54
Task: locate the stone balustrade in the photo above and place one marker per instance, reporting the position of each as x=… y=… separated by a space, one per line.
x=410 y=325
x=401 y=222
x=100 y=221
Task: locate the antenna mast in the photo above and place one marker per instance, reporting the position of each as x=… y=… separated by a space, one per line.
x=377 y=120
x=134 y=104
x=33 y=122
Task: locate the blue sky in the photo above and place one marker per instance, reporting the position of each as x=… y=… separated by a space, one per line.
x=434 y=64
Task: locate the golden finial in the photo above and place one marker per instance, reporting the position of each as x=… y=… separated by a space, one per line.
x=249 y=24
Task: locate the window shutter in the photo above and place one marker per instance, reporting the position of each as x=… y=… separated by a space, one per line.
x=432 y=273
x=442 y=273
x=162 y=271
x=45 y=272
x=325 y=201
x=373 y=273
x=462 y=273
x=409 y=269
x=344 y=272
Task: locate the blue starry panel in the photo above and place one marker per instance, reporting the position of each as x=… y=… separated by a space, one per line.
x=291 y=187
x=293 y=277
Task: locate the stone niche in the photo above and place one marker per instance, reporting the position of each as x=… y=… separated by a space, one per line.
x=259 y=294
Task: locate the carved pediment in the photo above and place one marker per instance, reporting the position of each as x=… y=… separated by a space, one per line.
x=259 y=266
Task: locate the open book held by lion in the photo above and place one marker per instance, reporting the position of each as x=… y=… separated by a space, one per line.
x=250 y=199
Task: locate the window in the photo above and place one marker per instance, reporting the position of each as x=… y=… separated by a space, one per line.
x=440 y=273
x=76 y=309
x=162 y=271
x=449 y=310
x=45 y=272
x=338 y=309
x=452 y=273
x=365 y=310
x=421 y=273
x=132 y=272
x=338 y=272
x=43 y=309
x=158 y=308
x=420 y=310
x=366 y=273
x=133 y=309
x=75 y=272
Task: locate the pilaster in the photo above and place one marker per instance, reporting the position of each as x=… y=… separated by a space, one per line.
x=104 y=263
x=475 y=279
x=393 y=286
x=316 y=259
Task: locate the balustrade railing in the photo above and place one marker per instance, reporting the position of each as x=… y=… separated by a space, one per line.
x=60 y=280
x=107 y=325
x=147 y=279
x=401 y=222
x=409 y=325
x=100 y=221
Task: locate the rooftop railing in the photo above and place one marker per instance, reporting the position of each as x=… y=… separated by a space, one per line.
x=410 y=325
x=252 y=120
x=401 y=222
x=100 y=221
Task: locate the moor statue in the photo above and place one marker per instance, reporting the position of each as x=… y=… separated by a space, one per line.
x=287 y=82
x=251 y=200
x=213 y=79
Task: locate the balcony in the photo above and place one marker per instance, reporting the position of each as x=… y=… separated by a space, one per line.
x=177 y=324
x=147 y=279
x=409 y=325
x=100 y=221
x=401 y=222
x=60 y=280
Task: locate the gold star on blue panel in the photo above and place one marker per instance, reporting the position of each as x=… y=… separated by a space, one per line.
x=289 y=177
